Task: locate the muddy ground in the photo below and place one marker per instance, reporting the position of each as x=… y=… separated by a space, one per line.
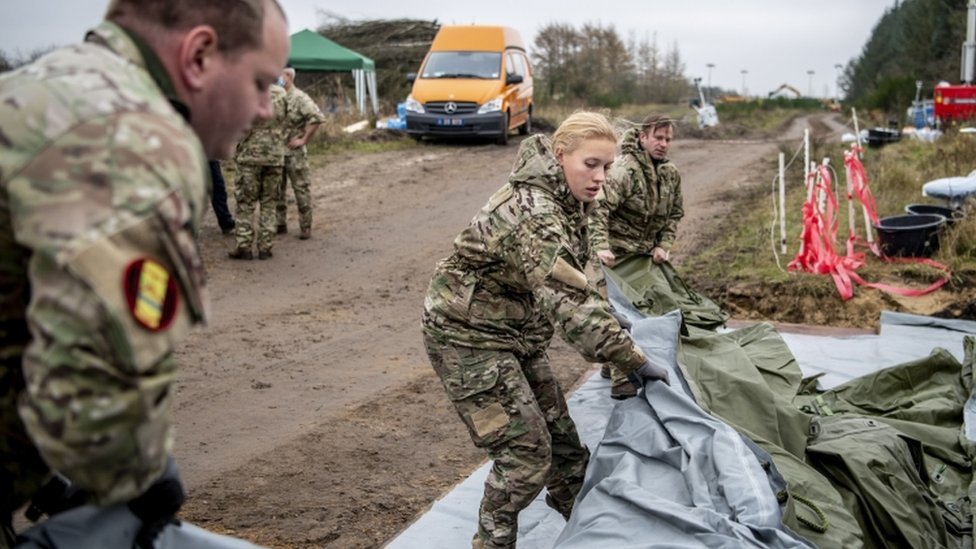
x=308 y=414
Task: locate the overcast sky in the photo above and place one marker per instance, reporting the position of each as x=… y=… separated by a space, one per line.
x=776 y=41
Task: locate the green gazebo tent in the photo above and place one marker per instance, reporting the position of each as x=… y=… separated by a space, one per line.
x=312 y=52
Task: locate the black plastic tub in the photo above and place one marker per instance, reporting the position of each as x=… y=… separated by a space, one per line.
x=914 y=235
x=951 y=214
x=878 y=137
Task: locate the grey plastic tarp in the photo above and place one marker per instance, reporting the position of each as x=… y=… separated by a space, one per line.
x=667 y=473
x=701 y=483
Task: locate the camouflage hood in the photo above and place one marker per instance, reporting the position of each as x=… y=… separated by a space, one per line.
x=536 y=166
x=630 y=146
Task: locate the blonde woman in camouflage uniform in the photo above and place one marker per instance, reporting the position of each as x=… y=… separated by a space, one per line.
x=492 y=308
x=640 y=209
x=103 y=174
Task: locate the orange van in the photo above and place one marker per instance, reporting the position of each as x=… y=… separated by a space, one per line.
x=474 y=82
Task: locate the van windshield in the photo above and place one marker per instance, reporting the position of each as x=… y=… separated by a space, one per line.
x=463 y=64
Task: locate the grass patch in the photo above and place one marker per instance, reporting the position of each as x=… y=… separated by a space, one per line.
x=747 y=120
x=371 y=141
x=738 y=265
x=554 y=114
x=331 y=139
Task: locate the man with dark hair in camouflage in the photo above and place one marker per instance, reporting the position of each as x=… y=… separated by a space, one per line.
x=304 y=119
x=640 y=208
x=260 y=162
x=103 y=174
x=516 y=276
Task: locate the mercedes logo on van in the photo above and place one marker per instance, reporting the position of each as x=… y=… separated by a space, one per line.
x=450 y=107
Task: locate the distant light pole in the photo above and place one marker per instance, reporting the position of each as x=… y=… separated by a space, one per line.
x=710 y=67
x=839 y=67
x=744 y=73
x=810 y=85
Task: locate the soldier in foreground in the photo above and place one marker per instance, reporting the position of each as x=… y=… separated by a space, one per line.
x=260 y=161
x=103 y=174
x=492 y=307
x=640 y=209
x=304 y=119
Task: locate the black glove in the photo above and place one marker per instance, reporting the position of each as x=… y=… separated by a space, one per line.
x=647 y=373
x=55 y=496
x=157 y=506
x=624 y=323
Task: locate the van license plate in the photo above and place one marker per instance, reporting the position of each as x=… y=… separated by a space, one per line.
x=450 y=121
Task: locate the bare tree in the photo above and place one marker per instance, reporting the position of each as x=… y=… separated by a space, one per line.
x=10 y=60
x=594 y=65
x=556 y=48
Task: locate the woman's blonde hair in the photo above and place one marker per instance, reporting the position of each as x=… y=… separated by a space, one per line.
x=582 y=125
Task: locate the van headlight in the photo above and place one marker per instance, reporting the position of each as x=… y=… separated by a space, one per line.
x=412 y=105
x=494 y=105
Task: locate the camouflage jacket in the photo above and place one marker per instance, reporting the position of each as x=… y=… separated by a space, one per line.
x=102 y=186
x=302 y=111
x=265 y=144
x=641 y=203
x=517 y=272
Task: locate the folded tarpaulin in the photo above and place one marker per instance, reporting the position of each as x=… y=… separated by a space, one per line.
x=667 y=473
x=953 y=189
x=878 y=461
x=656 y=288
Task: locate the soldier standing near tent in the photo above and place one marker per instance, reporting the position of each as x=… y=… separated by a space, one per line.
x=260 y=161
x=103 y=177
x=492 y=307
x=304 y=119
x=640 y=208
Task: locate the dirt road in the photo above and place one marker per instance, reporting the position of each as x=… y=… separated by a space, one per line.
x=308 y=415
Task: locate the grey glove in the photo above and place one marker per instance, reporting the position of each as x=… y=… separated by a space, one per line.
x=624 y=323
x=650 y=372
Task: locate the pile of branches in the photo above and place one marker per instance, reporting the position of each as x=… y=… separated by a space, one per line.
x=397 y=46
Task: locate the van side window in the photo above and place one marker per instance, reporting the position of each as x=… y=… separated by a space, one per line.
x=523 y=65
x=516 y=63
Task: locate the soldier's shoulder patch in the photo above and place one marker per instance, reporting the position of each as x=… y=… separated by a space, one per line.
x=151 y=294
x=569 y=275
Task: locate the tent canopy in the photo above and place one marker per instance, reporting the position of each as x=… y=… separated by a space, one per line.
x=310 y=51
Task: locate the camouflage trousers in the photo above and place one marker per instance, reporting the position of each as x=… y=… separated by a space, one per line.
x=296 y=171
x=256 y=186
x=515 y=409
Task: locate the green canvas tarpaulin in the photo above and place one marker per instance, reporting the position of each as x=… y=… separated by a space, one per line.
x=882 y=460
x=312 y=52
x=656 y=288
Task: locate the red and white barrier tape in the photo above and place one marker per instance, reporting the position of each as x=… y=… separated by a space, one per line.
x=820 y=225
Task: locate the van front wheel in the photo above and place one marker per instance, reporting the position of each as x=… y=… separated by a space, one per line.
x=503 y=138
x=526 y=129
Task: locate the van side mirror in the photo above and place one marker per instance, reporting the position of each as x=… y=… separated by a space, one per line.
x=513 y=79
x=411 y=76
